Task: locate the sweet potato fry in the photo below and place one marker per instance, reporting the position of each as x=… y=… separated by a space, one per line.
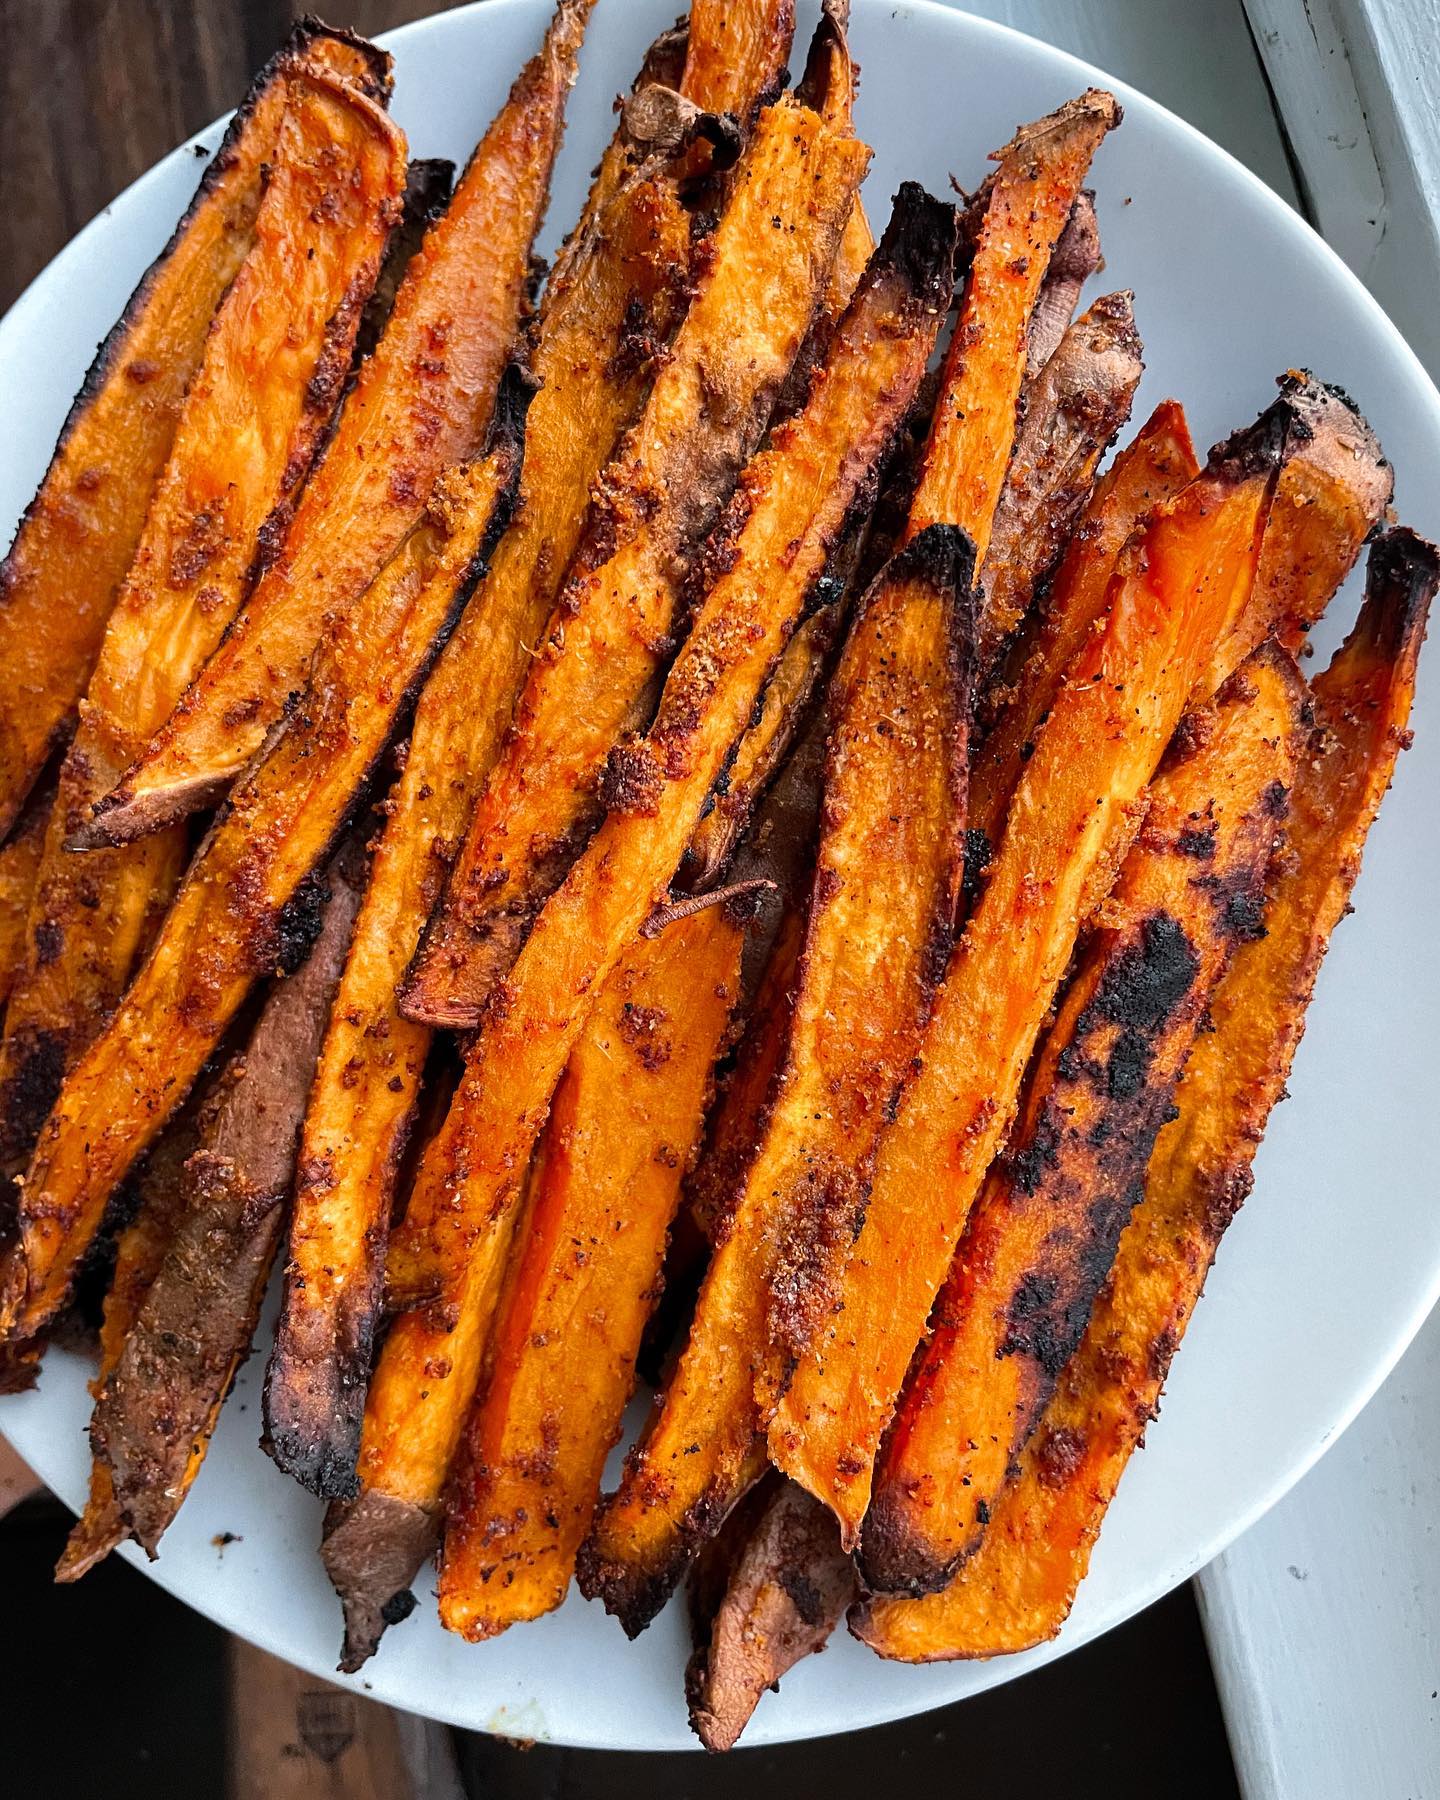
x=20 y=857
x=156 y=1410
x=1018 y=1587
x=779 y=851
x=80 y=533
x=1042 y=1235
x=798 y=494
x=736 y=55
x=140 y=1248
x=1148 y=471
x=736 y=1123
x=421 y=402
x=429 y=182
x=664 y=490
x=829 y=85
x=788 y=1587
x=609 y=309
x=1332 y=494
x=893 y=801
x=255 y=416
x=247 y=906
x=1074 y=408
x=662 y=66
x=622 y=1131
x=1178 y=585
x=1031 y=194
x=1075 y=259
x=783 y=706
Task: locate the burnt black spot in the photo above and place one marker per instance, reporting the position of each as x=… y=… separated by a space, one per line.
x=1276 y=799
x=1040 y=1152
x=1244 y=915
x=1147 y=981
x=399 y=1607
x=1139 y=992
x=39 y=1059
x=978 y=852
x=803 y=1595
x=1198 y=842
x=297 y=924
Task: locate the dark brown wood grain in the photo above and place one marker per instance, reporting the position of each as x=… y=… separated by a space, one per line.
x=92 y=92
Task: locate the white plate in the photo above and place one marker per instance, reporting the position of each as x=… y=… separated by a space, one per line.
x=1332 y=1266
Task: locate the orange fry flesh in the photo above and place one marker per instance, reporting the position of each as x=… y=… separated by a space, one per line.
x=421 y=402
x=1178 y=585
x=893 y=801
x=1042 y=1234
x=736 y=54
x=606 y=1185
x=233 y=919
x=1017 y=1590
x=1035 y=185
x=1152 y=469
x=253 y=419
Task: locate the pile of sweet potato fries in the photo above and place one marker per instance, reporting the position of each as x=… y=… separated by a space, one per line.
x=529 y=798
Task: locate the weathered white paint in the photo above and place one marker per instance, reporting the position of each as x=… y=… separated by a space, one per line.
x=1314 y=87
x=1356 y=81
x=1194 y=56
x=1324 y=1620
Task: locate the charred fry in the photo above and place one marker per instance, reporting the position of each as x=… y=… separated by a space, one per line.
x=422 y=402
x=245 y=908
x=1178 y=586
x=80 y=533
x=1074 y=409
x=1332 y=494
x=661 y=494
x=621 y=1134
x=255 y=416
x=1076 y=258
x=1018 y=1587
x=140 y=1249
x=893 y=800
x=788 y=1587
x=797 y=496
x=156 y=1411
x=1042 y=1235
